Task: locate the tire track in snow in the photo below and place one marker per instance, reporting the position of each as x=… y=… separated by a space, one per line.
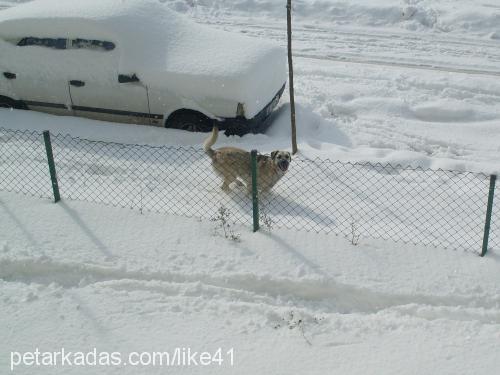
x=389 y=36
x=336 y=45
x=356 y=60
x=324 y=294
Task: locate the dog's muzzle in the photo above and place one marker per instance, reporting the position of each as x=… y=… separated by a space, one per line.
x=283 y=165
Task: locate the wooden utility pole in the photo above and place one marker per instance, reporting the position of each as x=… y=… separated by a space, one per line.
x=290 y=75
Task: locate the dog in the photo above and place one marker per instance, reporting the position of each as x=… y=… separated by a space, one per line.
x=234 y=165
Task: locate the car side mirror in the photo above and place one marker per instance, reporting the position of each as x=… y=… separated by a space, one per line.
x=123 y=78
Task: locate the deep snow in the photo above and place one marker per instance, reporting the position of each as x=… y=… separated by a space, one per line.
x=372 y=83
x=76 y=276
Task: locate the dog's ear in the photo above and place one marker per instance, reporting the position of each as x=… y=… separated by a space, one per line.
x=289 y=156
x=273 y=154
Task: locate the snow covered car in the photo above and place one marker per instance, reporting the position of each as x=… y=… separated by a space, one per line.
x=136 y=61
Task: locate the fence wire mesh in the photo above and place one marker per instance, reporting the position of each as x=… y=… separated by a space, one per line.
x=23 y=163
x=411 y=205
x=171 y=180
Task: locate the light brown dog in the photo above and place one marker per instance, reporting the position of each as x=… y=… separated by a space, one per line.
x=234 y=164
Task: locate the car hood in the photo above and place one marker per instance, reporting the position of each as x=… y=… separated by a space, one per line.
x=164 y=48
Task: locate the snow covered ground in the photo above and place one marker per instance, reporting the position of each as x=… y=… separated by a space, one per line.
x=408 y=82
x=80 y=276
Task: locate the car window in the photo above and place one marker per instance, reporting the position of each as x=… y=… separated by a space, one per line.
x=92 y=44
x=62 y=43
x=58 y=43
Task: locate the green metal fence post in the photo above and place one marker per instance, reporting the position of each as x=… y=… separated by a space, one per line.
x=255 y=195
x=52 y=166
x=489 y=211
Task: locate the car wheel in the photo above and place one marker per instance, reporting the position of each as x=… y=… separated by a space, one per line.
x=190 y=120
x=9 y=103
x=6 y=103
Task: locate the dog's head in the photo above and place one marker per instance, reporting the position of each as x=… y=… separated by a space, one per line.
x=281 y=159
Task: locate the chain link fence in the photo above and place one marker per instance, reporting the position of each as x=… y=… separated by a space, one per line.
x=23 y=163
x=412 y=205
x=170 y=180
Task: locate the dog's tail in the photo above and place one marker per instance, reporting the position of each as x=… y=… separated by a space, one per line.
x=210 y=141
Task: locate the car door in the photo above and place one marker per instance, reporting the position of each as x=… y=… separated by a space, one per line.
x=99 y=91
x=40 y=94
x=117 y=99
x=5 y=83
x=34 y=75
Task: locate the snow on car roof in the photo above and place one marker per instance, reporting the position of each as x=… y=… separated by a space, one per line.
x=160 y=45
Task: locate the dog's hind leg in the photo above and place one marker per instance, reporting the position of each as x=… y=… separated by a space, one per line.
x=228 y=180
x=225 y=185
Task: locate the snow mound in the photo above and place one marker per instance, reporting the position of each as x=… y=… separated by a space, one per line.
x=448 y=112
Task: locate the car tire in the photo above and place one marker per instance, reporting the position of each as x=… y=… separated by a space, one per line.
x=10 y=103
x=189 y=120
